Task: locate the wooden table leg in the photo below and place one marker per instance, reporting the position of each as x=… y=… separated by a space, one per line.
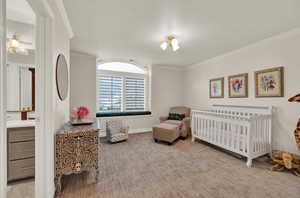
x=97 y=174
x=57 y=181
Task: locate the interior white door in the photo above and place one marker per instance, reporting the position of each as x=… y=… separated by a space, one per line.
x=3 y=153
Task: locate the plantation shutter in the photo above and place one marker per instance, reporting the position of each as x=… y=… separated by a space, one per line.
x=135 y=94
x=109 y=93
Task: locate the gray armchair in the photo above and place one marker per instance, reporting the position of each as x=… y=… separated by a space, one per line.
x=116 y=130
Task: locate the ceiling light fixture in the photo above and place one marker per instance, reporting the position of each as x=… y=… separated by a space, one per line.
x=171 y=42
x=14 y=46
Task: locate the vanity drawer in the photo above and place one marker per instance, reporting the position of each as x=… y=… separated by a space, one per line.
x=20 y=169
x=21 y=134
x=21 y=150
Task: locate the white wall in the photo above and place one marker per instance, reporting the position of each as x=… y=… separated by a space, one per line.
x=282 y=50
x=61 y=45
x=166 y=90
x=83 y=81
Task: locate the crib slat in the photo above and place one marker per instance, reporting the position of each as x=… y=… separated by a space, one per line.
x=200 y=127
x=254 y=137
x=245 y=139
x=264 y=135
x=230 y=136
x=258 y=136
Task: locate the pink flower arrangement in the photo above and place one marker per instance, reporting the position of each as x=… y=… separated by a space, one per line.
x=80 y=112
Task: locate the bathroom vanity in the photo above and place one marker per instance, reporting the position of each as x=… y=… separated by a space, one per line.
x=21 y=149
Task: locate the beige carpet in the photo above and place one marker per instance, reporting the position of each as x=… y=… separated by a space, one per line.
x=140 y=168
x=22 y=189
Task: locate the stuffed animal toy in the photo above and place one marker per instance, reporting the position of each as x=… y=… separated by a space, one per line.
x=296 y=98
x=284 y=160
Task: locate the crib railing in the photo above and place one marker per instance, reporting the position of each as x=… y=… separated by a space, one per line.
x=245 y=133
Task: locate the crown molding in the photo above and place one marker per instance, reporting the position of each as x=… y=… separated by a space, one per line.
x=78 y=53
x=170 y=67
x=64 y=16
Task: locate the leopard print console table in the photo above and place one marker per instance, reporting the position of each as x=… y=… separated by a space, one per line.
x=76 y=150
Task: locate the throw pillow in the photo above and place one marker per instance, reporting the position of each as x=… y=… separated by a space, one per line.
x=176 y=116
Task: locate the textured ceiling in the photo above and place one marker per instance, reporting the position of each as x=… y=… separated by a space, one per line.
x=134 y=29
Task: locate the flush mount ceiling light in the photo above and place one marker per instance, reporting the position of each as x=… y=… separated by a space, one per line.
x=14 y=46
x=171 y=42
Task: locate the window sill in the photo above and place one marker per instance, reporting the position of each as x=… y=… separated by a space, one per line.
x=118 y=114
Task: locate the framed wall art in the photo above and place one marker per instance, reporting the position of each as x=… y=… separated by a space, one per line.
x=269 y=82
x=238 y=86
x=216 y=88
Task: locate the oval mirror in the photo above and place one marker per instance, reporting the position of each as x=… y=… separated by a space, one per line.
x=62 y=77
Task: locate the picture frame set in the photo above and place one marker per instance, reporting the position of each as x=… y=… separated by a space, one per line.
x=268 y=83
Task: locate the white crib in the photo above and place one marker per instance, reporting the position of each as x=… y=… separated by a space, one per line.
x=245 y=130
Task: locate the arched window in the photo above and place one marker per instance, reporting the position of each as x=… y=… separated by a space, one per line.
x=121 y=67
x=122 y=87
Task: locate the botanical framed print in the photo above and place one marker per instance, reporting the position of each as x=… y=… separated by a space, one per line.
x=269 y=83
x=238 y=86
x=216 y=88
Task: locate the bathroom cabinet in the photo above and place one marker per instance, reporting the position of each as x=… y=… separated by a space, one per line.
x=21 y=153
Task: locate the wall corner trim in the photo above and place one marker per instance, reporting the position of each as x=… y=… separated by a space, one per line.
x=139 y=130
x=62 y=10
x=169 y=67
x=78 y=53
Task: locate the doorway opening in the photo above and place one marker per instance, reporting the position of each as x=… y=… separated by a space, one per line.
x=30 y=109
x=20 y=107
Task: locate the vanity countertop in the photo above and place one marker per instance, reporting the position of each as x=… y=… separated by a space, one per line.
x=20 y=123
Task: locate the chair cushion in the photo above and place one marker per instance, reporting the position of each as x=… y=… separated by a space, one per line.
x=174 y=122
x=118 y=137
x=165 y=125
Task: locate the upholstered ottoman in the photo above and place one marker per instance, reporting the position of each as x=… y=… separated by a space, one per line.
x=166 y=132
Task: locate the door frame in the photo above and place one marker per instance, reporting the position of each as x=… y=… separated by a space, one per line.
x=3 y=83
x=44 y=98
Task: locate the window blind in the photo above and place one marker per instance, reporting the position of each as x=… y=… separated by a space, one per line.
x=109 y=93
x=135 y=94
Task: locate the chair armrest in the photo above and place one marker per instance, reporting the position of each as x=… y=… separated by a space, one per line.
x=108 y=132
x=163 y=118
x=125 y=129
x=186 y=122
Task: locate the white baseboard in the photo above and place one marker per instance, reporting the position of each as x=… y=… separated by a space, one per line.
x=131 y=131
x=141 y=130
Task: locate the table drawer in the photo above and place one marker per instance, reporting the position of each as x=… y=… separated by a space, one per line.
x=21 y=134
x=21 y=150
x=20 y=169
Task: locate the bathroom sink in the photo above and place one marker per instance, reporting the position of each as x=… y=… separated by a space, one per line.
x=20 y=123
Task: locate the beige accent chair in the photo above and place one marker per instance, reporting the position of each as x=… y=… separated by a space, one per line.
x=170 y=130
